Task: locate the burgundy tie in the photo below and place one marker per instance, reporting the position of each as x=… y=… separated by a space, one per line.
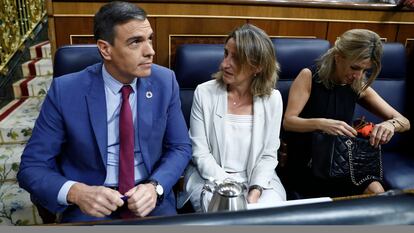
x=126 y=179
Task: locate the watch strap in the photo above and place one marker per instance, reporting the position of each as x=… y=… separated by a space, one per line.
x=156 y=183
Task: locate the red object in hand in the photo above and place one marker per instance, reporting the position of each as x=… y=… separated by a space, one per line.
x=366 y=130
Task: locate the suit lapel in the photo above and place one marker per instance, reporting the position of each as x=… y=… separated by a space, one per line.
x=219 y=121
x=96 y=103
x=257 y=133
x=145 y=97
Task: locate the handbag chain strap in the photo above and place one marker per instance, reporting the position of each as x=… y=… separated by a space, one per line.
x=349 y=143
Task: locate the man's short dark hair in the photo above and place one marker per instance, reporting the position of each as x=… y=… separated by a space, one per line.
x=113 y=14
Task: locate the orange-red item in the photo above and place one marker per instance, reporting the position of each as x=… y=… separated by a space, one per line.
x=366 y=130
x=363 y=127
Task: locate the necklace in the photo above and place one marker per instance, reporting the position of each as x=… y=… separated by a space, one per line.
x=235 y=103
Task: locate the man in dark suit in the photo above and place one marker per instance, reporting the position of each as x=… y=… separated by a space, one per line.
x=72 y=163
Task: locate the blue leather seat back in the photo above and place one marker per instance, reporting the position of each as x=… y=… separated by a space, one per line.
x=391 y=86
x=296 y=54
x=398 y=170
x=186 y=97
x=73 y=58
x=195 y=63
x=293 y=55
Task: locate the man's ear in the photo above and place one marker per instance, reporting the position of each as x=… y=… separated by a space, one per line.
x=105 y=49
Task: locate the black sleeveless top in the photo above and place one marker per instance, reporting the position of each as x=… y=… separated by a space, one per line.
x=337 y=103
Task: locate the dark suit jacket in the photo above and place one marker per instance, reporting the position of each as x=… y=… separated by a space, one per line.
x=69 y=140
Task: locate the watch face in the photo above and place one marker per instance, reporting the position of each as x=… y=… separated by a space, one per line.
x=159 y=190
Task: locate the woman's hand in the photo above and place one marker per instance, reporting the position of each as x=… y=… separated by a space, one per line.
x=336 y=127
x=253 y=196
x=381 y=133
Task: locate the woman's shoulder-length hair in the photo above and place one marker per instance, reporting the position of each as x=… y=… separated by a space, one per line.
x=255 y=49
x=354 y=45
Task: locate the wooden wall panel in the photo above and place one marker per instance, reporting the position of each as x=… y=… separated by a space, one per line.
x=176 y=27
x=292 y=28
x=175 y=23
x=405 y=32
x=79 y=30
x=283 y=10
x=52 y=35
x=387 y=31
x=406 y=37
x=67 y=26
x=82 y=39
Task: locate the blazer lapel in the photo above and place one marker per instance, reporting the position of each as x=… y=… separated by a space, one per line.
x=144 y=117
x=219 y=121
x=257 y=133
x=96 y=103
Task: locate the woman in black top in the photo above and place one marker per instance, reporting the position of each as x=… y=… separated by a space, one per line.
x=323 y=98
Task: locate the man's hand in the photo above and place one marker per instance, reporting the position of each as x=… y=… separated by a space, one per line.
x=142 y=199
x=98 y=201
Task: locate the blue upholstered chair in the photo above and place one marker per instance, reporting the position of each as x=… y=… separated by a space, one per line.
x=391 y=85
x=73 y=58
x=194 y=64
x=294 y=55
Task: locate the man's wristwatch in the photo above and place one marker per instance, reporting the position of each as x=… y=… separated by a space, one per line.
x=159 y=190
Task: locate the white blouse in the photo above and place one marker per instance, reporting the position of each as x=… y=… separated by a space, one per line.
x=238 y=137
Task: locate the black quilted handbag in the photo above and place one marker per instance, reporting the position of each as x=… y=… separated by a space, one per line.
x=342 y=157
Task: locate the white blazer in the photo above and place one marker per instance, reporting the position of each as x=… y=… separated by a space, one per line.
x=207 y=132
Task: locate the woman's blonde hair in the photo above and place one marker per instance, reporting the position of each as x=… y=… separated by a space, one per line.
x=353 y=45
x=255 y=49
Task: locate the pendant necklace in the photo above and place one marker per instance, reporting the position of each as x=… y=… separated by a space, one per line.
x=234 y=101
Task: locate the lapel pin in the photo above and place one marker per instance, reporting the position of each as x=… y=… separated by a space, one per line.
x=148 y=94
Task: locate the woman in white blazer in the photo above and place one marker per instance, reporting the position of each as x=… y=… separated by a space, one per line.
x=235 y=121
